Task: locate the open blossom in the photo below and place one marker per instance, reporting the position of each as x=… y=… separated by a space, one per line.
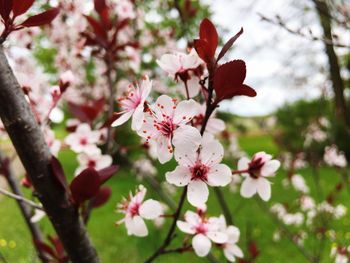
x=333 y=157
x=165 y=123
x=136 y=210
x=340 y=254
x=95 y=160
x=255 y=172
x=198 y=168
x=132 y=104
x=178 y=63
x=230 y=248
x=83 y=139
x=204 y=230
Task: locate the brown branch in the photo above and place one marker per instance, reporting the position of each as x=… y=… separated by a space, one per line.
x=35 y=156
x=22 y=204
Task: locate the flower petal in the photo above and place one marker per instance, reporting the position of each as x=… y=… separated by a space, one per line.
x=212 y=153
x=186 y=140
x=122 y=118
x=243 y=163
x=181 y=176
x=185 y=111
x=150 y=209
x=249 y=187
x=270 y=168
x=136 y=226
x=264 y=189
x=197 y=193
x=201 y=245
x=217 y=237
x=185 y=227
x=137 y=118
x=219 y=175
x=164 y=149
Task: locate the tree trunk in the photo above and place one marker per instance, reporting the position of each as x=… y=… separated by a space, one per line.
x=334 y=69
x=30 y=145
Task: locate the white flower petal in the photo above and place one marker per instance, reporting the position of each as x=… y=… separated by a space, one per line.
x=219 y=175
x=186 y=140
x=264 y=189
x=217 y=237
x=270 y=168
x=233 y=234
x=181 y=176
x=150 y=209
x=185 y=111
x=137 y=118
x=212 y=153
x=243 y=163
x=249 y=187
x=201 y=245
x=185 y=227
x=164 y=149
x=197 y=193
x=122 y=118
x=136 y=226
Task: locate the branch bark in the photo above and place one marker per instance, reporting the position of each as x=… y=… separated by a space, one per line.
x=342 y=111
x=35 y=156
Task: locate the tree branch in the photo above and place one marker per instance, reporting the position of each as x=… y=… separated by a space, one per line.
x=35 y=156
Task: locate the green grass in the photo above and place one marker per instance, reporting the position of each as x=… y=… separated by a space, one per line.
x=114 y=245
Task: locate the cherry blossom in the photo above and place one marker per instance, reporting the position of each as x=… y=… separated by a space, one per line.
x=95 y=160
x=54 y=145
x=132 y=104
x=230 y=248
x=136 y=210
x=214 y=125
x=165 y=123
x=199 y=167
x=333 y=157
x=204 y=230
x=255 y=172
x=178 y=63
x=83 y=139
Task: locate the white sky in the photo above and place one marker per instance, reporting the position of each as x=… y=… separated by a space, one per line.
x=268 y=52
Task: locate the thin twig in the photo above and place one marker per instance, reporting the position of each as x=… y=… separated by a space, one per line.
x=21 y=199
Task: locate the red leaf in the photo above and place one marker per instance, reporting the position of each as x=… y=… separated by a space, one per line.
x=58 y=172
x=46 y=249
x=5 y=9
x=229 y=44
x=87 y=112
x=97 y=27
x=42 y=18
x=85 y=185
x=21 y=6
x=202 y=49
x=102 y=197
x=208 y=33
x=228 y=81
x=107 y=173
x=100 y=5
x=61 y=253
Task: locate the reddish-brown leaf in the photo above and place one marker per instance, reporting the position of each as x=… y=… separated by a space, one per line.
x=5 y=9
x=44 y=248
x=228 y=81
x=202 y=49
x=21 y=6
x=100 y=5
x=58 y=172
x=85 y=185
x=229 y=44
x=42 y=18
x=87 y=112
x=102 y=197
x=107 y=173
x=97 y=27
x=208 y=33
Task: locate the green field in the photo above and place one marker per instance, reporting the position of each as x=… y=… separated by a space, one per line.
x=114 y=245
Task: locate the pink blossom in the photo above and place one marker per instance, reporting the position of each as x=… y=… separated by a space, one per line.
x=165 y=123
x=178 y=63
x=199 y=167
x=214 y=125
x=333 y=157
x=132 y=104
x=54 y=145
x=255 y=172
x=204 y=230
x=95 y=160
x=83 y=139
x=136 y=210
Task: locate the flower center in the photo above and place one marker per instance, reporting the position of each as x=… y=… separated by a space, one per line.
x=166 y=127
x=134 y=209
x=255 y=166
x=91 y=164
x=199 y=172
x=201 y=229
x=83 y=141
x=198 y=120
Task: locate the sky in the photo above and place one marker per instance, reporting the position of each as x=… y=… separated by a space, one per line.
x=272 y=55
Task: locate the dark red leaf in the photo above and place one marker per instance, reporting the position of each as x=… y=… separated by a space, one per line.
x=58 y=172
x=5 y=9
x=208 y=33
x=107 y=173
x=46 y=249
x=87 y=112
x=97 y=27
x=42 y=18
x=85 y=185
x=228 y=81
x=202 y=49
x=102 y=197
x=21 y=6
x=100 y=5
x=229 y=44
x=61 y=253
